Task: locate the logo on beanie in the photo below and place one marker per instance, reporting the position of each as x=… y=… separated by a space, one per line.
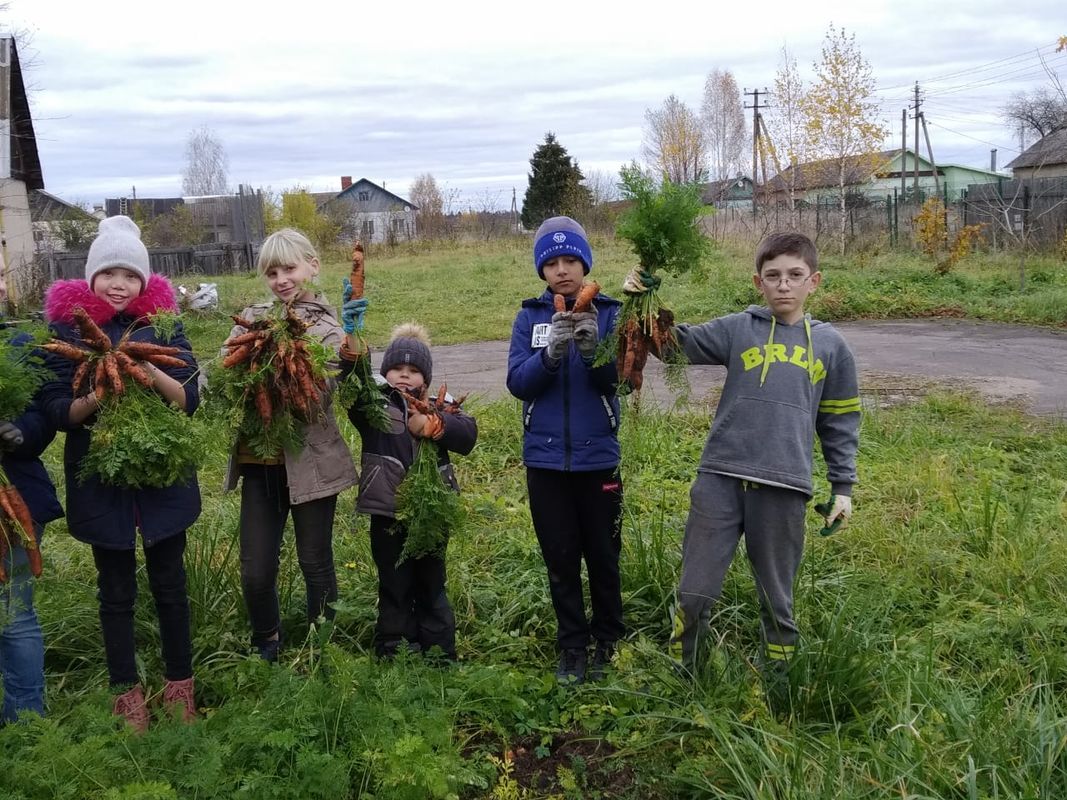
x=559 y=238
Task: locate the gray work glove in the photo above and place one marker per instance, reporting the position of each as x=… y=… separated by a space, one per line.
x=10 y=436
x=586 y=332
x=559 y=336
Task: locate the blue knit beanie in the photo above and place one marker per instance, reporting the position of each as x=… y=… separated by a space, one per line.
x=561 y=236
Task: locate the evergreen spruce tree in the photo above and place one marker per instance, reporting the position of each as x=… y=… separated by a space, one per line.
x=555 y=185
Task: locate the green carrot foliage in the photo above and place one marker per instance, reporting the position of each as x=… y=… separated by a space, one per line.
x=21 y=373
x=139 y=440
x=428 y=508
x=663 y=224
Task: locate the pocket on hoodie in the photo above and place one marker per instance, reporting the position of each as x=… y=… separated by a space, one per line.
x=764 y=434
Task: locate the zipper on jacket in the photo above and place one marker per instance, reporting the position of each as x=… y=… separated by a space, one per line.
x=567 y=413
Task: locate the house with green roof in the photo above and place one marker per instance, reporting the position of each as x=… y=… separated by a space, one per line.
x=876 y=175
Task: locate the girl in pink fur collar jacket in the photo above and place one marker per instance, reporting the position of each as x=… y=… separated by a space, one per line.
x=119 y=292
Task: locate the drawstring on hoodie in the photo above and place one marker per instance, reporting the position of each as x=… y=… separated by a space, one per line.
x=767 y=354
x=770 y=341
x=811 y=351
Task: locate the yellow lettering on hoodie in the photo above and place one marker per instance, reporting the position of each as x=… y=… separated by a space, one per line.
x=818 y=372
x=751 y=358
x=775 y=353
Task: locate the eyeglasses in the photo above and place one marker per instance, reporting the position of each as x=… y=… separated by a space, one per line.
x=791 y=281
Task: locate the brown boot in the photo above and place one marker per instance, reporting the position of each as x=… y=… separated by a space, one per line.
x=178 y=699
x=131 y=706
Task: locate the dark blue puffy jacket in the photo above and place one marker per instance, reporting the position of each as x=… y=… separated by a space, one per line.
x=570 y=414
x=97 y=513
x=23 y=465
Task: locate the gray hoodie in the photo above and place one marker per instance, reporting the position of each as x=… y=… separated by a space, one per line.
x=776 y=399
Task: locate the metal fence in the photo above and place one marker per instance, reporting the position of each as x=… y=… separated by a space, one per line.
x=1012 y=213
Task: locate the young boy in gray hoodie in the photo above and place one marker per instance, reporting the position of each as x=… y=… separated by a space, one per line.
x=789 y=378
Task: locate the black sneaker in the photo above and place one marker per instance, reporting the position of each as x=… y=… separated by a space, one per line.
x=571 y=667
x=268 y=650
x=601 y=660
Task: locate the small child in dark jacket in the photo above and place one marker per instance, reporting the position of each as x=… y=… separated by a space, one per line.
x=22 y=441
x=570 y=420
x=119 y=293
x=413 y=607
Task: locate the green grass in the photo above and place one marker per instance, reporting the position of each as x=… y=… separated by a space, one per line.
x=465 y=293
x=934 y=660
x=933 y=663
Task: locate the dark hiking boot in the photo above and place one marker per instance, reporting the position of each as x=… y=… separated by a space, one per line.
x=571 y=667
x=602 y=656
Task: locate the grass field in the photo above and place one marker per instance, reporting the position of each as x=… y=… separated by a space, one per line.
x=470 y=293
x=934 y=659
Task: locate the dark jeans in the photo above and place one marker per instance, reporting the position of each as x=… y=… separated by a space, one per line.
x=116 y=581
x=413 y=605
x=264 y=510
x=578 y=515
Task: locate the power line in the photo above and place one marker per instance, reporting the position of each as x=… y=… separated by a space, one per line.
x=975 y=138
x=1028 y=54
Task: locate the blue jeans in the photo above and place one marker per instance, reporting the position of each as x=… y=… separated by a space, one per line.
x=21 y=642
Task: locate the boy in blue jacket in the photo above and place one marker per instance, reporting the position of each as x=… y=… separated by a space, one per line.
x=570 y=446
x=22 y=441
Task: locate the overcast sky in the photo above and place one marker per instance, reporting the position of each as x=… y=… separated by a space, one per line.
x=303 y=93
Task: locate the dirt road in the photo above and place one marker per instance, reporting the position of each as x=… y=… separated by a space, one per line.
x=1006 y=363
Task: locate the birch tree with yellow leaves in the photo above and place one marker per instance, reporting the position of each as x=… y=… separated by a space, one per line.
x=842 y=116
x=675 y=143
x=788 y=124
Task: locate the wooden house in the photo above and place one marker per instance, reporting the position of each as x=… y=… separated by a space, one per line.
x=373 y=213
x=1045 y=158
x=20 y=174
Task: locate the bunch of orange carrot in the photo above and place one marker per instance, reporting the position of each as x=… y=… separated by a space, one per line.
x=16 y=526
x=429 y=508
x=276 y=354
x=106 y=366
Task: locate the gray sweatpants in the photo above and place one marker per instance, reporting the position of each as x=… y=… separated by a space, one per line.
x=772 y=520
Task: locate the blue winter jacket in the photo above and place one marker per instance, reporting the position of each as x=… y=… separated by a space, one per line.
x=23 y=464
x=97 y=513
x=570 y=414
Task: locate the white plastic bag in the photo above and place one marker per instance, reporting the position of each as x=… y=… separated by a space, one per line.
x=205 y=298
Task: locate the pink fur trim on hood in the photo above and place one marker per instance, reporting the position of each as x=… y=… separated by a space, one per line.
x=65 y=296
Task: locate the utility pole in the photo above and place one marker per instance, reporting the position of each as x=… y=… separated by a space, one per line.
x=903 y=151
x=930 y=150
x=514 y=212
x=915 y=180
x=754 y=94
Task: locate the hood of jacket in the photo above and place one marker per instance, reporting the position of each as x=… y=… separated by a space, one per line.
x=65 y=296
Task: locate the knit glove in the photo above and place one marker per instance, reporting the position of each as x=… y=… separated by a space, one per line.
x=10 y=436
x=559 y=336
x=426 y=426
x=836 y=512
x=586 y=332
x=352 y=311
x=639 y=281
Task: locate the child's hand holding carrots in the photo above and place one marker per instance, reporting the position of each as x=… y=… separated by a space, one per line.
x=352 y=309
x=586 y=332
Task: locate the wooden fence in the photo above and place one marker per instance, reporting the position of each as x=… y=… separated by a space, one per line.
x=204 y=259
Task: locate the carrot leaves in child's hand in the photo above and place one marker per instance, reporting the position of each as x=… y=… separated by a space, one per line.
x=139 y=440
x=21 y=373
x=429 y=509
